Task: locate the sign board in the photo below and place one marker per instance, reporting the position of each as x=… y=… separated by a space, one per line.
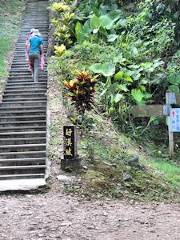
x=174 y=120
x=70 y=149
x=170 y=98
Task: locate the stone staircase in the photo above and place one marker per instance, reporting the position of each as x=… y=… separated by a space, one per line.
x=23 y=130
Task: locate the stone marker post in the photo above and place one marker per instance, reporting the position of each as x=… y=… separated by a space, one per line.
x=70 y=160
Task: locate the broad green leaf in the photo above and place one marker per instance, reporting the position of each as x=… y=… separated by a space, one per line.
x=118 y=97
x=174 y=78
x=106 y=22
x=127 y=78
x=106 y=69
x=78 y=31
x=86 y=27
x=122 y=22
x=174 y=88
x=122 y=76
x=134 y=51
x=95 y=22
x=112 y=37
x=115 y=14
x=138 y=95
x=146 y=65
x=119 y=76
x=123 y=87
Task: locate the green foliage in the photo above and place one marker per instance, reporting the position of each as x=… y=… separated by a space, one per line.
x=10 y=14
x=64 y=23
x=81 y=91
x=126 y=51
x=106 y=69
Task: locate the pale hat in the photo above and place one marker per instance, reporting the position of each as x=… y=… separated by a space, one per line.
x=36 y=32
x=32 y=30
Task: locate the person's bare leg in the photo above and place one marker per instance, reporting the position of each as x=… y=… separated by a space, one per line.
x=36 y=69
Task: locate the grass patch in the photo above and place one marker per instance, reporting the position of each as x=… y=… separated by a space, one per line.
x=10 y=16
x=169 y=170
x=108 y=156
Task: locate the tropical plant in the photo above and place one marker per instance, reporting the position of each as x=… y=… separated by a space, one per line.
x=63 y=23
x=81 y=91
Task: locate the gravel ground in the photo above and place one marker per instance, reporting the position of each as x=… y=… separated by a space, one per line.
x=59 y=216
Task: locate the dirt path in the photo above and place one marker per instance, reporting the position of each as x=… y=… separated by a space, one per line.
x=58 y=216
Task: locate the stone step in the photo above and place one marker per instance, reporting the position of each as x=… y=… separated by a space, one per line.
x=22 y=118
x=27 y=80
x=22 y=148
x=25 y=91
x=19 y=64
x=25 y=73
x=23 y=112
x=22 y=103
x=22 y=161
x=23 y=123
x=17 y=141
x=24 y=135
x=16 y=95
x=31 y=86
x=18 y=81
x=22 y=128
x=21 y=88
x=21 y=176
x=24 y=99
x=5 y=168
x=24 y=70
x=22 y=108
x=26 y=170
x=30 y=83
x=28 y=154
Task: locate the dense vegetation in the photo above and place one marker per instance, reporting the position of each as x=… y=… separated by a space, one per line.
x=130 y=51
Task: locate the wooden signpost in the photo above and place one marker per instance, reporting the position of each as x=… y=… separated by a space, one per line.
x=171 y=110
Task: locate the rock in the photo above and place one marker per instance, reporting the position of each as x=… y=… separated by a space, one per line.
x=127 y=177
x=66 y=179
x=134 y=162
x=66 y=224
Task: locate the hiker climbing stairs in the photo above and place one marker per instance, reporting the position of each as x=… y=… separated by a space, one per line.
x=23 y=107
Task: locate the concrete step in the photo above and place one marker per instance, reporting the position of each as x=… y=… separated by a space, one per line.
x=30 y=86
x=27 y=76
x=26 y=170
x=20 y=185
x=24 y=99
x=27 y=91
x=17 y=141
x=26 y=73
x=15 y=95
x=24 y=135
x=23 y=70
x=22 y=162
x=18 y=81
x=22 y=118
x=23 y=123
x=22 y=64
x=5 y=168
x=22 y=108
x=23 y=112
x=28 y=154
x=22 y=148
x=22 y=103
x=22 y=128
